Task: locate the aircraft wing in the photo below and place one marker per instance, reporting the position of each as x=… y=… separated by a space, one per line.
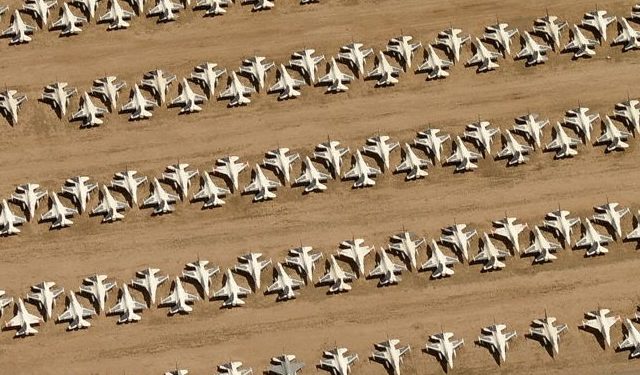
x=602 y=217
x=180 y=99
x=327 y=278
x=376 y=72
x=243 y=290
x=279 y=86
x=354 y=172
x=509 y=335
x=277 y=285
x=152 y=200
x=377 y=271
x=592 y=323
x=481 y=257
x=628 y=343
x=404 y=349
x=117 y=309
x=488 y=340
x=66 y=315
x=253 y=186
x=101 y=208
x=435 y=346
x=221 y=293
x=227 y=93
x=130 y=106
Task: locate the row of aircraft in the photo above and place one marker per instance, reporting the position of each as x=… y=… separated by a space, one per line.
x=306 y=62
x=224 y=179
x=352 y=253
x=76 y=13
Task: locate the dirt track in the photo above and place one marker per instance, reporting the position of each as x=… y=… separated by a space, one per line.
x=42 y=149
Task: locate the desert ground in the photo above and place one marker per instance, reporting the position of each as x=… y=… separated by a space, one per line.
x=43 y=149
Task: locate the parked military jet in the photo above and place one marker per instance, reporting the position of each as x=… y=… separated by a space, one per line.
x=628 y=36
x=79 y=189
x=312 y=178
x=581 y=121
x=97 y=288
x=128 y=182
x=127 y=307
x=481 y=134
x=550 y=27
x=355 y=251
x=107 y=88
x=304 y=260
x=9 y=221
x=361 y=172
x=599 y=321
x=286 y=364
x=237 y=92
x=230 y=168
x=381 y=147
x=148 y=280
x=406 y=245
x=256 y=68
x=385 y=72
x=629 y=112
x=287 y=86
x=139 y=106
x=231 y=291
x=23 y=320
x=387 y=270
x=631 y=340
x=166 y=11
x=337 y=361
x=160 y=200
x=509 y=230
x=608 y=214
x=261 y=186
x=598 y=20
x=58 y=213
x=514 y=150
x=200 y=274
x=44 y=296
x=75 y=314
x=180 y=178
x=497 y=340
x=433 y=65
x=500 y=35
x=548 y=331
x=534 y=52
x=337 y=277
x=187 y=100
x=580 y=44
x=541 y=247
x=562 y=144
x=10 y=102
x=58 y=94
x=39 y=9
x=483 y=58
x=432 y=142
x=593 y=240
x=531 y=126
x=89 y=113
x=109 y=207
x=560 y=222
x=490 y=255
x=335 y=79
x=355 y=56
x=463 y=157
x=439 y=263
x=403 y=49
x=233 y=368
x=452 y=41
x=456 y=236
x=444 y=347
x=252 y=267
x=390 y=354
x=68 y=23
x=29 y=196
x=331 y=154
x=210 y=193
x=281 y=162
x=18 y=30
x=207 y=75
x=307 y=63
x=284 y=284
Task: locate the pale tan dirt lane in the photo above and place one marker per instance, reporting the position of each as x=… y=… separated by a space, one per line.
x=45 y=150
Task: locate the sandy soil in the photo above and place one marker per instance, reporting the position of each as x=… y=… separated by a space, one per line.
x=46 y=150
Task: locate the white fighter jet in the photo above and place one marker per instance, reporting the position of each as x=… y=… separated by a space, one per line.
x=39 y=9
x=609 y=214
x=337 y=361
x=210 y=193
x=304 y=260
x=593 y=240
x=68 y=22
x=433 y=65
x=230 y=168
x=444 y=346
x=381 y=147
x=148 y=280
x=29 y=196
x=312 y=178
x=439 y=263
x=413 y=165
x=534 y=52
x=635 y=12
x=58 y=213
x=18 y=30
x=256 y=68
x=331 y=154
x=508 y=229
x=580 y=44
x=531 y=126
x=432 y=142
x=452 y=41
x=188 y=100
x=628 y=36
x=581 y=121
x=515 y=151
x=406 y=245
x=10 y=102
x=128 y=182
x=286 y=85
x=481 y=134
x=58 y=94
x=483 y=58
x=23 y=320
x=180 y=178
x=634 y=235
x=9 y=221
x=89 y=7
x=542 y=247
x=598 y=20
x=562 y=144
x=550 y=28
x=207 y=75
x=160 y=200
x=116 y=16
x=4 y=301
x=490 y=255
x=127 y=307
x=158 y=83
x=44 y=296
x=456 y=237
x=631 y=340
x=286 y=364
x=281 y=162
x=497 y=340
x=500 y=35
x=386 y=73
x=403 y=49
x=337 y=277
x=463 y=157
x=109 y=207
x=76 y=314
x=97 y=288
x=614 y=138
x=335 y=79
x=179 y=299
x=390 y=354
x=599 y=321
x=260 y=5
x=284 y=284
x=560 y=222
x=355 y=56
x=306 y=63
x=139 y=106
x=361 y=172
x=231 y=291
x=200 y=274
x=108 y=88
x=79 y=188
x=251 y=266
x=387 y=270
x=213 y=7
x=237 y=92
x=233 y=368
x=89 y=113
x=261 y=186
x=629 y=112
x=166 y=11
x=355 y=251
x=548 y=331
